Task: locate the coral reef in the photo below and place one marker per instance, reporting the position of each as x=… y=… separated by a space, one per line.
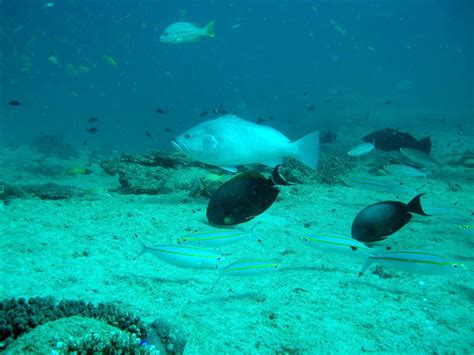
x=79 y=335
x=172 y=339
x=40 y=325
x=54 y=145
x=18 y=316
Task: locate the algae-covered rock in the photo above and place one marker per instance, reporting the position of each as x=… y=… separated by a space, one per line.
x=158 y=173
x=80 y=335
x=52 y=191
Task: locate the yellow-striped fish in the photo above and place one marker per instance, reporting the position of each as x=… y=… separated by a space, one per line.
x=414 y=261
x=215 y=237
x=337 y=244
x=250 y=267
x=467 y=228
x=187 y=256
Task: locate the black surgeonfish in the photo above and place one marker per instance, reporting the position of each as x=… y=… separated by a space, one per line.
x=243 y=197
x=388 y=139
x=376 y=222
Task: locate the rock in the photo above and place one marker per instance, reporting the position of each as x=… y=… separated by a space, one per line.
x=158 y=173
x=51 y=191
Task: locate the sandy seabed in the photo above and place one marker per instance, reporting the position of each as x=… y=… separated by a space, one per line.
x=82 y=248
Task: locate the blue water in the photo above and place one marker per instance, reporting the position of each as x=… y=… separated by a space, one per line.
x=351 y=52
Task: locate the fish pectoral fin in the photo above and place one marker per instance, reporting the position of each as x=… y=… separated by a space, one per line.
x=209 y=143
x=230 y=168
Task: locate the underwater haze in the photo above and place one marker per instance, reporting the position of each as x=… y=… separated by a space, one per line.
x=236 y=177
x=265 y=56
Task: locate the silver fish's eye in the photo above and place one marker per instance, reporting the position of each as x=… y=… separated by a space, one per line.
x=455 y=266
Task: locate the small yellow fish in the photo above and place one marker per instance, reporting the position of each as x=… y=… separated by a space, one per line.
x=109 y=60
x=78 y=170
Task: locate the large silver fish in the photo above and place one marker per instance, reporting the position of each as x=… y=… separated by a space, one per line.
x=229 y=141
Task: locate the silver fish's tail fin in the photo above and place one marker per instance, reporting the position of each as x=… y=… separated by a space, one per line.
x=367 y=263
x=307 y=150
x=210 y=29
x=144 y=250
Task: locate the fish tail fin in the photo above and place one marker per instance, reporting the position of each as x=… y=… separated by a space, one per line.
x=366 y=265
x=307 y=150
x=424 y=145
x=277 y=179
x=210 y=29
x=414 y=205
x=144 y=248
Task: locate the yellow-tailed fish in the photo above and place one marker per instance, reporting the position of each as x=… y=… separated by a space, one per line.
x=414 y=261
x=187 y=256
x=215 y=237
x=109 y=60
x=337 y=244
x=184 y=32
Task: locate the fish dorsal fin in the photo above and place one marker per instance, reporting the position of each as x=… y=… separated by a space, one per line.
x=247 y=175
x=231 y=117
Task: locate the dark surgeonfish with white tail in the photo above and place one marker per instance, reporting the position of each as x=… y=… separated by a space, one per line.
x=376 y=222
x=243 y=197
x=230 y=140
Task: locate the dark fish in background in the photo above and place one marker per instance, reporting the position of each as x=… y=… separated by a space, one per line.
x=92 y=119
x=305 y=93
x=328 y=100
x=92 y=130
x=203 y=114
x=14 y=103
x=219 y=109
x=167 y=129
x=243 y=197
x=261 y=120
x=84 y=142
x=388 y=102
x=160 y=111
x=376 y=222
x=148 y=134
x=388 y=139
x=311 y=108
x=327 y=137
